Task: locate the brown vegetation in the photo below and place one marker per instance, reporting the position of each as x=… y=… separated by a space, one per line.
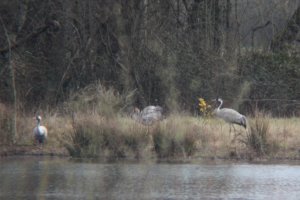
x=55 y=54
x=178 y=137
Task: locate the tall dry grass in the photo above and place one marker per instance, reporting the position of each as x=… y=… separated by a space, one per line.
x=5 y=124
x=181 y=137
x=176 y=137
x=257 y=137
x=172 y=138
x=98 y=99
x=112 y=138
x=120 y=137
x=86 y=129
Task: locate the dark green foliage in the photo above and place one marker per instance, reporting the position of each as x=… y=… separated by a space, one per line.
x=168 y=52
x=274 y=80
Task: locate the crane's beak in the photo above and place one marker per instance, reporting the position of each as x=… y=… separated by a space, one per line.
x=215 y=99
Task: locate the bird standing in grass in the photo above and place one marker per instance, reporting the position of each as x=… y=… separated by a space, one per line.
x=232 y=117
x=148 y=115
x=229 y=115
x=40 y=132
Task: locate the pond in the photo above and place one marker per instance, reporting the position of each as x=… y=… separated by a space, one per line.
x=54 y=178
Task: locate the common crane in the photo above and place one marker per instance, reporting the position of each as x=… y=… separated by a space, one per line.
x=148 y=115
x=40 y=132
x=229 y=115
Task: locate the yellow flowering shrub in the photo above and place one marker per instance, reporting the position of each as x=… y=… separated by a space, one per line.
x=204 y=108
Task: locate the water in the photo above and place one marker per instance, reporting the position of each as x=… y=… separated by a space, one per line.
x=46 y=178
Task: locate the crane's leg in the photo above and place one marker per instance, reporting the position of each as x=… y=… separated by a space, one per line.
x=235 y=151
x=229 y=134
x=231 y=126
x=232 y=147
x=236 y=133
x=36 y=140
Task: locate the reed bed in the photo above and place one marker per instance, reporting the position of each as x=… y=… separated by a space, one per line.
x=176 y=137
x=94 y=123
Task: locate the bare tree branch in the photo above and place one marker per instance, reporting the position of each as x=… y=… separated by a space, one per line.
x=53 y=25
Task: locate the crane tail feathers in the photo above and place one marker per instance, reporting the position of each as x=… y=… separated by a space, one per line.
x=245 y=126
x=244 y=122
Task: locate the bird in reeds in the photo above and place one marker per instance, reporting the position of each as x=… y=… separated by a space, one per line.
x=40 y=132
x=148 y=115
x=229 y=115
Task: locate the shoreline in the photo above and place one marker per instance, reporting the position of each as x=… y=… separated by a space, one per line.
x=175 y=139
x=29 y=150
x=8 y=151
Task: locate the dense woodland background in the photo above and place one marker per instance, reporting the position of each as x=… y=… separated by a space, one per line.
x=152 y=52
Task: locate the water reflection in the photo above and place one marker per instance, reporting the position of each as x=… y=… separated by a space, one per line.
x=44 y=178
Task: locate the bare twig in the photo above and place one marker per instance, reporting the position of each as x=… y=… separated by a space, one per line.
x=52 y=24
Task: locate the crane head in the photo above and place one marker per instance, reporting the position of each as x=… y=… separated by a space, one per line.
x=38 y=118
x=218 y=99
x=135 y=113
x=136 y=110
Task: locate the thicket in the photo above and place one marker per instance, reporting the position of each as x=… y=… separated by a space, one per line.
x=274 y=82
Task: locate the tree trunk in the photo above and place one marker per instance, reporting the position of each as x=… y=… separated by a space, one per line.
x=13 y=88
x=290 y=34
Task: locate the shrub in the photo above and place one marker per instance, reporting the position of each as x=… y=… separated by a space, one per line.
x=97 y=99
x=258 y=136
x=93 y=136
x=172 y=138
x=96 y=136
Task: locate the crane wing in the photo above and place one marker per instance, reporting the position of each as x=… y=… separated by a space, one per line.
x=230 y=115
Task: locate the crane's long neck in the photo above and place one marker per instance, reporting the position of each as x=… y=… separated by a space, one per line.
x=221 y=104
x=38 y=123
x=136 y=115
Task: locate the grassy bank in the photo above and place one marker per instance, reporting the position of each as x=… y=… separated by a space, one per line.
x=176 y=137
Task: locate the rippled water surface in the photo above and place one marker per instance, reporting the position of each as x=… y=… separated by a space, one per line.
x=46 y=178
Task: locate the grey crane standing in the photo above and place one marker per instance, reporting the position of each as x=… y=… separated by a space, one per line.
x=40 y=132
x=229 y=115
x=232 y=117
x=148 y=115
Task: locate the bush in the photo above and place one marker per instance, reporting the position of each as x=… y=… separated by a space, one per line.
x=172 y=139
x=98 y=137
x=258 y=136
x=97 y=99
